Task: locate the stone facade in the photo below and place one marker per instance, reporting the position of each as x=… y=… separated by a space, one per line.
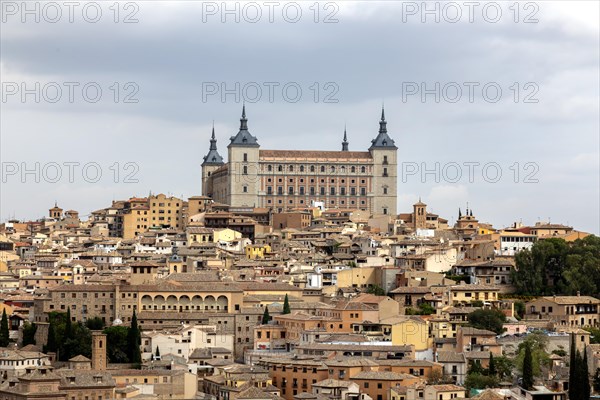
x=288 y=179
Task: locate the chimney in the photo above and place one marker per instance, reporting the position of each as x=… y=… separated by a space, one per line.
x=578 y=293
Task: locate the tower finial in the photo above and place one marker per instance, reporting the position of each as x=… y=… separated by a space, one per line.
x=382 y=123
x=213 y=139
x=243 y=120
x=345 y=141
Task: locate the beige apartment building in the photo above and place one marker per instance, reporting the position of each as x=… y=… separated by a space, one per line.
x=155 y=211
x=290 y=179
x=572 y=311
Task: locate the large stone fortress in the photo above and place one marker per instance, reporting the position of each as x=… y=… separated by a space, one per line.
x=287 y=179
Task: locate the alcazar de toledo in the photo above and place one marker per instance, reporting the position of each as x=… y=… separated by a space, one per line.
x=291 y=179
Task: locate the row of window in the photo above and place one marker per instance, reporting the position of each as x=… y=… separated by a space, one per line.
x=331 y=202
x=163 y=204
x=322 y=180
x=313 y=191
x=332 y=169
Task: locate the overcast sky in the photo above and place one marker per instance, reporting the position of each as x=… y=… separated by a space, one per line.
x=176 y=66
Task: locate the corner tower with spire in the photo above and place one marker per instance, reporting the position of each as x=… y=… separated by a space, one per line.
x=212 y=161
x=385 y=165
x=243 y=165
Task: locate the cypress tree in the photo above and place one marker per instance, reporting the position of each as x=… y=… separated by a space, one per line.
x=51 y=339
x=266 y=318
x=65 y=347
x=574 y=389
x=286 y=305
x=68 y=326
x=585 y=377
x=492 y=367
x=134 y=339
x=29 y=333
x=4 y=335
x=527 y=369
x=157 y=354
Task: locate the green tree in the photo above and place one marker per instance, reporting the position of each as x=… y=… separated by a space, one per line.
x=67 y=350
x=4 y=334
x=519 y=310
x=80 y=342
x=29 y=330
x=527 y=382
x=477 y=380
x=117 y=344
x=134 y=340
x=266 y=317
x=597 y=380
x=504 y=367
x=537 y=343
x=477 y=303
x=286 y=305
x=594 y=335
x=424 y=309
x=376 y=290
x=475 y=368
x=555 y=266
x=51 y=346
x=585 y=376
x=94 y=324
x=492 y=366
x=157 y=354
x=489 y=319
x=574 y=388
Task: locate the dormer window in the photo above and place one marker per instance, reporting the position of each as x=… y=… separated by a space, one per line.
x=384 y=142
x=244 y=140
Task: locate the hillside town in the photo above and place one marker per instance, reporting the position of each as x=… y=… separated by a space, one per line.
x=293 y=277
x=209 y=301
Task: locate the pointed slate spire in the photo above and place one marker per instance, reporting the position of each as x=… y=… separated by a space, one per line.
x=382 y=123
x=383 y=140
x=243 y=120
x=213 y=157
x=213 y=140
x=345 y=141
x=243 y=137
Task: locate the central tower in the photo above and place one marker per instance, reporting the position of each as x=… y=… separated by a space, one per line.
x=243 y=165
x=385 y=170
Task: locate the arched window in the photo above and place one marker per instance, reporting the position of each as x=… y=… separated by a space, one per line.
x=302 y=168
x=269 y=168
x=322 y=168
x=312 y=168
x=291 y=168
x=332 y=169
x=279 y=168
x=363 y=169
x=353 y=169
